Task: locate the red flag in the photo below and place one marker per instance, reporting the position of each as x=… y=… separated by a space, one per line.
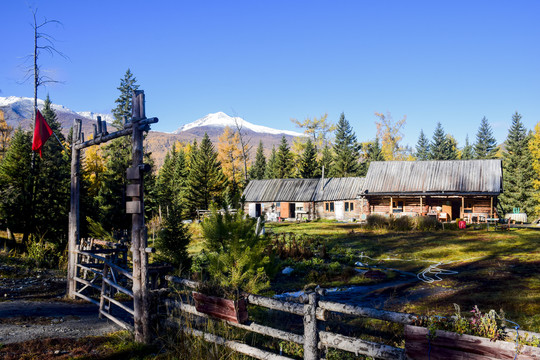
x=42 y=132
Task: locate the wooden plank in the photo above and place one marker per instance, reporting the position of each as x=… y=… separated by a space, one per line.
x=254 y=327
x=231 y=344
x=122 y=271
x=118 y=287
x=133 y=207
x=133 y=173
x=401 y=318
x=358 y=346
x=119 y=304
x=311 y=350
x=89 y=299
x=119 y=322
x=87 y=283
x=448 y=345
x=133 y=190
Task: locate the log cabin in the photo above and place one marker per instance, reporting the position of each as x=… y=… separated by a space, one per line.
x=446 y=190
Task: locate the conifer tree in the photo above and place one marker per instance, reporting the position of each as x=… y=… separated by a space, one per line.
x=327 y=160
x=518 y=172
x=467 y=153
x=346 y=150
x=372 y=152
x=270 y=172
x=485 y=146
x=15 y=184
x=452 y=150
x=259 y=167
x=441 y=147
x=284 y=164
x=308 y=162
x=206 y=180
x=123 y=104
x=422 y=147
x=52 y=191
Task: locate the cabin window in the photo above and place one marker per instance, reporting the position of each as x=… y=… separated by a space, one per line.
x=349 y=206
x=329 y=206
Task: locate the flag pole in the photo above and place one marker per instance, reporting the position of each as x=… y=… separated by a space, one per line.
x=62 y=145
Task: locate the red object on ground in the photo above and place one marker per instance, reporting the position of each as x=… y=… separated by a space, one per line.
x=462 y=224
x=42 y=132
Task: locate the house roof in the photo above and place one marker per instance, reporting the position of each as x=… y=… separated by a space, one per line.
x=303 y=190
x=449 y=177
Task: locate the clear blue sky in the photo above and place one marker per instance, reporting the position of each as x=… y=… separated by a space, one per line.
x=269 y=61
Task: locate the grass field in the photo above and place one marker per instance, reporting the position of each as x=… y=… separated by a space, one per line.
x=496 y=270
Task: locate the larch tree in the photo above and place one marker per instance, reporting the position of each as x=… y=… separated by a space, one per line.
x=308 y=163
x=317 y=129
x=518 y=171
x=346 y=150
x=485 y=146
x=390 y=134
x=259 y=167
x=534 y=148
x=231 y=156
x=5 y=135
x=206 y=181
x=422 y=147
x=283 y=167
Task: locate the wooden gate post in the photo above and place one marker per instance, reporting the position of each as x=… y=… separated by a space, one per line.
x=138 y=230
x=311 y=341
x=74 y=233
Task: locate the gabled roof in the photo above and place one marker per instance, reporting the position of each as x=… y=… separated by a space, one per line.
x=434 y=177
x=303 y=190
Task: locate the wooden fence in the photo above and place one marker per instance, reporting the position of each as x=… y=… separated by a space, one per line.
x=313 y=311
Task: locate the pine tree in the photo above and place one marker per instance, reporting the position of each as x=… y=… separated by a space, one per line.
x=284 y=165
x=422 y=147
x=52 y=190
x=206 y=181
x=173 y=240
x=259 y=167
x=123 y=104
x=442 y=146
x=486 y=145
x=346 y=150
x=270 y=172
x=518 y=172
x=372 y=152
x=15 y=184
x=327 y=160
x=308 y=162
x=467 y=151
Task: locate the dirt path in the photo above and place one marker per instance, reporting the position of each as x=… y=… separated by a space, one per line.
x=26 y=320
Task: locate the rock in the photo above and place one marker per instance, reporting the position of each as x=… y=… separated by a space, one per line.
x=287 y=270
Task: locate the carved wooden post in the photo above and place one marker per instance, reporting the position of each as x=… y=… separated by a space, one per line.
x=311 y=340
x=138 y=231
x=73 y=235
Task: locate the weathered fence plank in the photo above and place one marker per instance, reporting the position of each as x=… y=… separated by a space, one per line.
x=359 y=346
x=396 y=317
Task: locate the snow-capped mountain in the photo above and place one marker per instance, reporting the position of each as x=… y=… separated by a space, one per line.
x=221 y=120
x=92 y=115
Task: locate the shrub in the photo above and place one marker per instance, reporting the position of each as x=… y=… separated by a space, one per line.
x=426 y=223
x=402 y=223
x=377 y=222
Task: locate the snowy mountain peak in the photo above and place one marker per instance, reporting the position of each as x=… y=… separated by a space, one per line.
x=220 y=119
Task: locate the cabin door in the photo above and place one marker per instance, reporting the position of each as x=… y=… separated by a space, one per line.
x=292 y=210
x=252 y=211
x=258 y=210
x=340 y=214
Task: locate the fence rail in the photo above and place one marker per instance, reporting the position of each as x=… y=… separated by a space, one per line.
x=313 y=339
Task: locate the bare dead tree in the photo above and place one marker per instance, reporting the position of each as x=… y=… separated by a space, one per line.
x=43 y=42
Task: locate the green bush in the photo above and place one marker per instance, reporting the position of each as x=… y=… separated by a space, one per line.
x=426 y=223
x=377 y=221
x=402 y=223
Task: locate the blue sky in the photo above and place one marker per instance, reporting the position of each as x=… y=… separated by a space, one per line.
x=270 y=61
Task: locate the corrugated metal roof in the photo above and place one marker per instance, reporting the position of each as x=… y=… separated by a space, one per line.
x=440 y=177
x=303 y=190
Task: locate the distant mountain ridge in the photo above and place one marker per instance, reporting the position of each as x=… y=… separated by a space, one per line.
x=18 y=112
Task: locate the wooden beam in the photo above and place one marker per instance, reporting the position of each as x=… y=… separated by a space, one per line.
x=358 y=346
x=74 y=225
